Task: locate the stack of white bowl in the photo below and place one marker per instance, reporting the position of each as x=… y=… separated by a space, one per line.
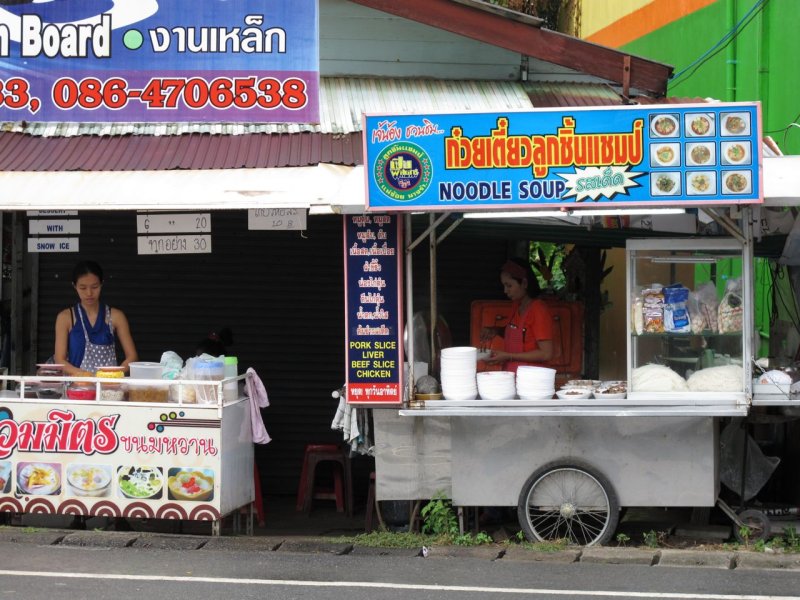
x=496 y=385
x=535 y=383
x=459 y=368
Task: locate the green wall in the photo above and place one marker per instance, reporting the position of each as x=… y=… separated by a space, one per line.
x=761 y=63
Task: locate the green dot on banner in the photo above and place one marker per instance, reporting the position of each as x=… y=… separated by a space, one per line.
x=133 y=39
x=163 y=417
x=172 y=415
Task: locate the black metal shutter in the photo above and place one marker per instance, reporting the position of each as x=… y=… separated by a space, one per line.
x=281 y=293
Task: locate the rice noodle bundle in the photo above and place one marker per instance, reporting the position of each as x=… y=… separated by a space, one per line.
x=727 y=378
x=657 y=378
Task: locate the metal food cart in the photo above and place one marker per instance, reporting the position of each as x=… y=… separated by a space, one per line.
x=569 y=466
x=161 y=458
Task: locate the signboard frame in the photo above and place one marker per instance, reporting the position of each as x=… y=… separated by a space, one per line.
x=565 y=158
x=160 y=61
x=373 y=276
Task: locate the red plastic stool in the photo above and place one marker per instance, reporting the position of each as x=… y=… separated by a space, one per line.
x=259 y=501
x=342 y=480
x=370 y=510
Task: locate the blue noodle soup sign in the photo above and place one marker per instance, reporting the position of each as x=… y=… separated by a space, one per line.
x=159 y=60
x=659 y=155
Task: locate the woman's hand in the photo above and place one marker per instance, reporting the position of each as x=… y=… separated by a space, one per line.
x=498 y=356
x=488 y=334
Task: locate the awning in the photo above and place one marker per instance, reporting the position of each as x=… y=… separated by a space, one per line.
x=323 y=189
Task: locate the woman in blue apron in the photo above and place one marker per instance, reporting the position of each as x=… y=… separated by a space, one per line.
x=86 y=333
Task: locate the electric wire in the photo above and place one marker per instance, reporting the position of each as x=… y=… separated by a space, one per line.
x=740 y=26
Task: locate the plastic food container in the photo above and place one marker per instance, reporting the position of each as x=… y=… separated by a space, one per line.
x=189 y=394
x=54 y=370
x=146 y=370
x=111 y=372
x=144 y=392
x=208 y=371
x=82 y=391
x=49 y=392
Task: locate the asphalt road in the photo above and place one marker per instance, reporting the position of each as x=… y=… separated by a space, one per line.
x=62 y=572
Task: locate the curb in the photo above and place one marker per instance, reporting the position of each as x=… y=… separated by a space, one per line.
x=608 y=555
x=753 y=560
x=619 y=556
x=525 y=555
x=697 y=558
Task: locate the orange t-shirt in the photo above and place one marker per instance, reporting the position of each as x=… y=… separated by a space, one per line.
x=536 y=324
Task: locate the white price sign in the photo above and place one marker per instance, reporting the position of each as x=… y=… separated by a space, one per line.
x=48 y=227
x=174 y=244
x=53 y=244
x=276 y=219
x=174 y=223
x=51 y=213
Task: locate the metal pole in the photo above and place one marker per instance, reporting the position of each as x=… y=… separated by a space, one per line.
x=409 y=284
x=432 y=275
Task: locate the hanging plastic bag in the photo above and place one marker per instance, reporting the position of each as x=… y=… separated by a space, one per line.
x=759 y=468
x=697 y=316
x=709 y=304
x=731 y=308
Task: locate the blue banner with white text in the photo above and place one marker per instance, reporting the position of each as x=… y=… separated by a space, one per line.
x=159 y=60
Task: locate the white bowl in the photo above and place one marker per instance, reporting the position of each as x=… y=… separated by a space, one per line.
x=574 y=394
x=530 y=370
x=537 y=396
x=459 y=352
x=464 y=395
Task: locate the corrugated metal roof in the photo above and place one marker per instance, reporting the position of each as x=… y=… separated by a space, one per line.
x=342 y=101
x=559 y=94
x=21 y=152
x=335 y=140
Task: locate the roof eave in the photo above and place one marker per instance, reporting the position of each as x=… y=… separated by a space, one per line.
x=531 y=40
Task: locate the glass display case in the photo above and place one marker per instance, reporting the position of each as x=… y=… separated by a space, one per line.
x=690 y=326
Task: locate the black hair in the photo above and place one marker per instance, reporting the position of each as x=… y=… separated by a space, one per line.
x=215 y=343
x=534 y=289
x=86 y=267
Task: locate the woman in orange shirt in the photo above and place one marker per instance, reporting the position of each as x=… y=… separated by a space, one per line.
x=527 y=336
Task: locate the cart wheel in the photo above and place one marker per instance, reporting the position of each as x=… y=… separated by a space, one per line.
x=568 y=501
x=758 y=524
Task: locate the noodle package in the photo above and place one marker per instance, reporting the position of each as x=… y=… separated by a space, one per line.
x=653 y=310
x=676 y=314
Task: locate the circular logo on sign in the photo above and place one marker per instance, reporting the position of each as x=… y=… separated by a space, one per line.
x=403 y=171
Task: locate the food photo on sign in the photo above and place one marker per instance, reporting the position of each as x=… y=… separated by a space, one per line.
x=39 y=479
